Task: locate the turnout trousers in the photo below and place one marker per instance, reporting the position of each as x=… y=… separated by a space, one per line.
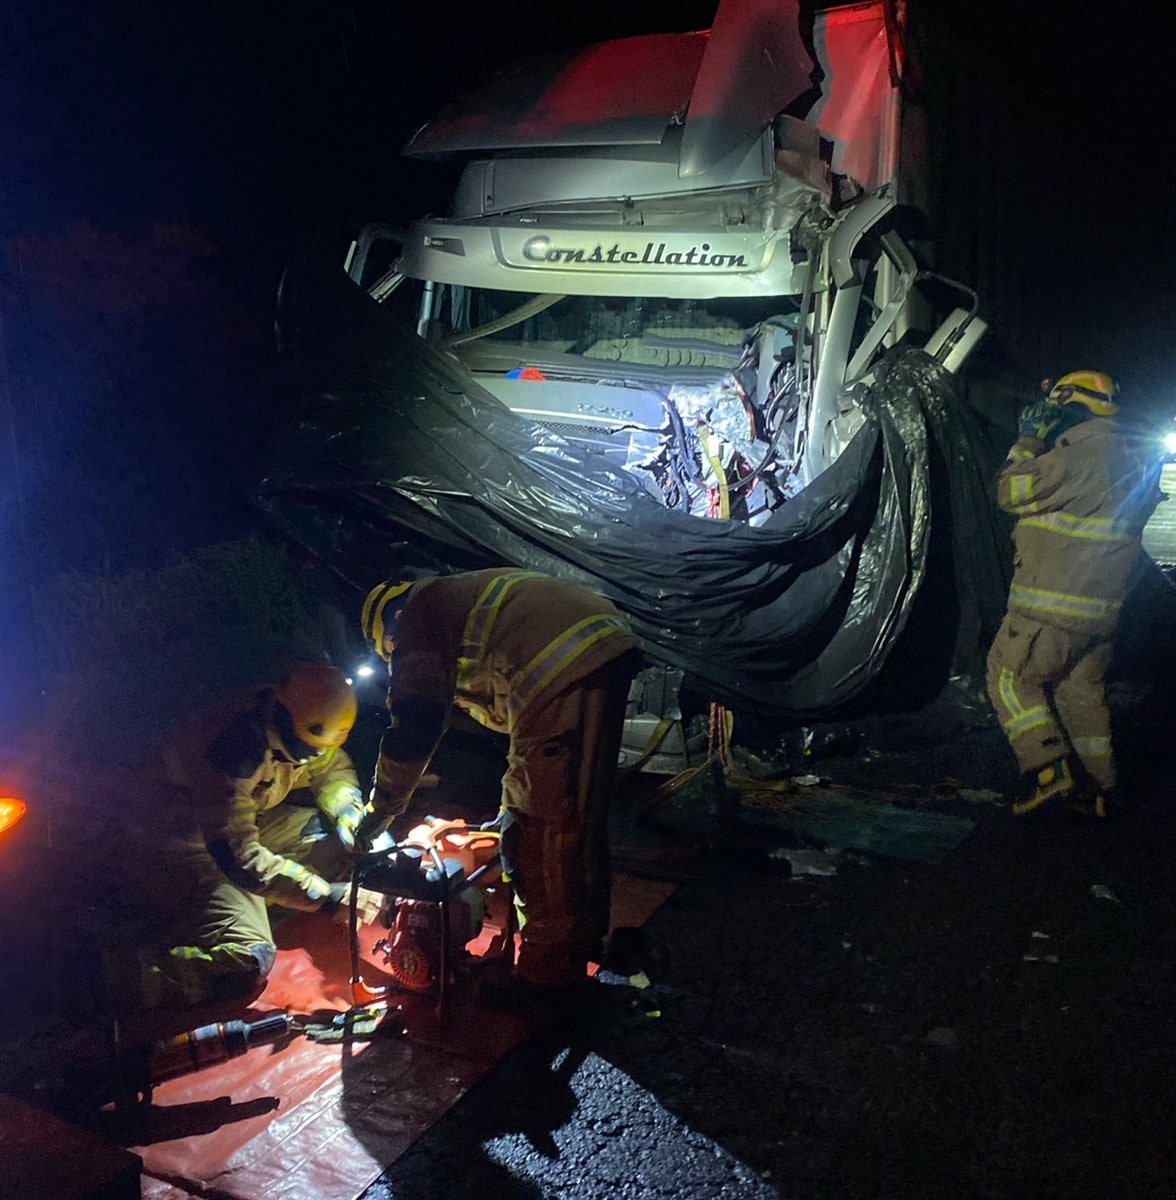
x=209 y=939
x=556 y=794
x=1047 y=686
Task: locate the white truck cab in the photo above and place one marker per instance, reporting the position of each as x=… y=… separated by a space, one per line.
x=684 y=252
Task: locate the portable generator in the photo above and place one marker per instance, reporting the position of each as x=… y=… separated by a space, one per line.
x=434 y=884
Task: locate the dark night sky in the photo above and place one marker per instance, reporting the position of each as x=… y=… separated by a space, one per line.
x=255 y=117
x=159 y=165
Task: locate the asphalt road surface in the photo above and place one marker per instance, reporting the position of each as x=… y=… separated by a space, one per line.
x=996 y=1024
x=835 y=1017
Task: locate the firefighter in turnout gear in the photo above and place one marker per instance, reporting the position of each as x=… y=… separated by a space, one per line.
x=549 y=663
x=1080 y=494
x=256 y=802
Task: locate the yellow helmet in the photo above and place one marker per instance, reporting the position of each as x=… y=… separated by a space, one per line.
x=1094 y=389
x=316 y=709
x=372 y=619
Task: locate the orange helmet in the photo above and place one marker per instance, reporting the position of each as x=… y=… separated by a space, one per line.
x=1094 y=389
x=320 y=703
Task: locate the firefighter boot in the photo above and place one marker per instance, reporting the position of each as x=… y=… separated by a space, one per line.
x=1096 y=802
x=1047 y=788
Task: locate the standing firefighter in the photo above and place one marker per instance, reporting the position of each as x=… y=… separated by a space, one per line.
x=254 y=802
x=548 y=662
x=1080 y=494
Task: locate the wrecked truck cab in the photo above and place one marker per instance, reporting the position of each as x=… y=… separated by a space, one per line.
x=674 y=273
x=665 y=342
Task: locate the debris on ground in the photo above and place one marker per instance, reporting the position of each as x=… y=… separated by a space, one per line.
x=839 y=818
x=980 y=796
x=806 y=862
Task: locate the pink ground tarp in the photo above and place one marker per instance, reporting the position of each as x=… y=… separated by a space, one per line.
x=300 y=1120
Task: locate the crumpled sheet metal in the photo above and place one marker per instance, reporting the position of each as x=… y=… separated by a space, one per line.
x=397 y=440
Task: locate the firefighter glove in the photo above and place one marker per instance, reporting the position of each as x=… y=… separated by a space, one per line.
x=350 y=819
x=338 y=904
x=375 y=821
x=1039 y=420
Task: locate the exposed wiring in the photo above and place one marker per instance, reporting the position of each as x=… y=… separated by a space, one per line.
x=721 y=507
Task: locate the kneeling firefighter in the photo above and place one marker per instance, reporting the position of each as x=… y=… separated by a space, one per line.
x=256 y=802
x=1081 y=491
x=548 y=662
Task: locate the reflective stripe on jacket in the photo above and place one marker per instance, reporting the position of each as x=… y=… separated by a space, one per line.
x=1080 y=509
x=220 y=771
x=494 y=643
x=560 y=662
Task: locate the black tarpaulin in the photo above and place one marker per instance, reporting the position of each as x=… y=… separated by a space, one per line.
x=396 y=440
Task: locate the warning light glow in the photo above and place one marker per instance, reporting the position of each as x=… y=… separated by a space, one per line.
x=11 y=811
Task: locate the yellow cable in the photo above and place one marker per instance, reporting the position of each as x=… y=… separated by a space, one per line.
x=710 y=448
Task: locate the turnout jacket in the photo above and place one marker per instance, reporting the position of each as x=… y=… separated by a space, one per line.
x=1080 y=510
x=496 y=643
x=223 y=771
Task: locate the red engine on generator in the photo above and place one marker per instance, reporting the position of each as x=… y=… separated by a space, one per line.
x=412 y=952
x=434 y=906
